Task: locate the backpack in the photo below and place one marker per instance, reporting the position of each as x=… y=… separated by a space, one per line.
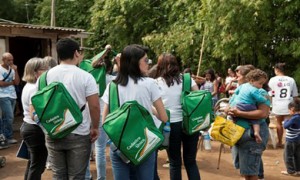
x=58 y=113
x=131 y=128
x=196 y=107
x=98 y=73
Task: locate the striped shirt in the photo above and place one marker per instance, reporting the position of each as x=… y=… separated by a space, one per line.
x=292 y=127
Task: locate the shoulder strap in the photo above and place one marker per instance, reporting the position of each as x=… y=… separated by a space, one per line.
x=7 y=75
x=186 y=82
x=113 y=97
x=43 y=81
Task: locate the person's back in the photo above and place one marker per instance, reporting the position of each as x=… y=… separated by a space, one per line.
x=70 y=154
x=283 y=89
x=79 y=85
x=134 y=85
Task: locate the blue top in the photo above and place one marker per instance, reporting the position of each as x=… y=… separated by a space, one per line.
x=248 y=94
x=292 y=127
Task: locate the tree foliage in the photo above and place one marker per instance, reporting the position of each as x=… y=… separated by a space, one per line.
x=258 y=32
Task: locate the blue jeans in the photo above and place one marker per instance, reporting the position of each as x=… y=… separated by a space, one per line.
x=292 y=156
x=69 y=155
x=189 y=144
x=34 y=138
x=7 y=106
x=100 y=146
x=122 y=171
x=247 y=152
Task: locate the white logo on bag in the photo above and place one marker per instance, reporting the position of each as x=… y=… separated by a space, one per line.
x=199 y=118
x=133 y=143
x=55 y=119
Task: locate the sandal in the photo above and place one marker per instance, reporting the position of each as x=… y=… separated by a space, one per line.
x=289 y=174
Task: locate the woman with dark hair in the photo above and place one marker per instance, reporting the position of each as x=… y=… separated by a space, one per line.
x=133 y=84
x=283 y=89
x=169 y=80
x=211 y=85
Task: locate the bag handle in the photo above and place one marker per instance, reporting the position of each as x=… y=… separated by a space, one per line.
x=43 y=81
x=7 y=75
x=114 y=101
x=186 y=82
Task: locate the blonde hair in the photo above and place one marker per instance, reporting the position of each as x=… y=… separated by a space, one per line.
x=31 y=68
x=51 y=61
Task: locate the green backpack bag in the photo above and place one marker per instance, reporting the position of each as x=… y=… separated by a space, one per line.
x=196 y=107
x=98 y=73
x=131 y=128
x=57 y=112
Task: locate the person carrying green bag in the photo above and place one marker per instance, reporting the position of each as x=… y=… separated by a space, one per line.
x=132 y=85
x=97 y=68
x=170 y=80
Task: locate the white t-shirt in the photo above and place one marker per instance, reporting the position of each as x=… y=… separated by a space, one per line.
x=8 y=91
x=108 y=79
x=145 y=92
x=28 y=91
x=171 y=98
x=80 y=84
x=283 y=89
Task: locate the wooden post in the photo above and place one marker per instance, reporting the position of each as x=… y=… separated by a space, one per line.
x=52 y=23
x=201 y=52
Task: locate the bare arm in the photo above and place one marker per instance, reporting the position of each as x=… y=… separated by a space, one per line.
x=261 y=113
x=16 y=81
x=94 y=106
x=5 y=84
x=105 y=112
x=195 y=88
x=161 y=112
x=100 y=62
x=215 y=88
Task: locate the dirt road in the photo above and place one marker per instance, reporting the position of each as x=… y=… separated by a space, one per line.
x=207 y=163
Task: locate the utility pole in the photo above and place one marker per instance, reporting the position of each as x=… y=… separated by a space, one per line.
x=52 y=23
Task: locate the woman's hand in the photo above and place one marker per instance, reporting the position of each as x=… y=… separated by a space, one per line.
x=234 y=112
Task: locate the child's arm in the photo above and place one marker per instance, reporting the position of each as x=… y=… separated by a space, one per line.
x=288 y=123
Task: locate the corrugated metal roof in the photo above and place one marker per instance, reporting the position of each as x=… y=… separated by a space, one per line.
x=31 y=26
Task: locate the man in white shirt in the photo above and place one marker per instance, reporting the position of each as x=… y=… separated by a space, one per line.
x=9 y=77
x=70 y=155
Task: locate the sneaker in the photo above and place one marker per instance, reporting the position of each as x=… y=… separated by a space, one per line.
x=12 y=141
x=3 y=142
x=3 y=146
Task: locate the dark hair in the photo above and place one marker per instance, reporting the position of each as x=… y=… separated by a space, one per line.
x=168 y=69
x=212 y=74
x=129 y=64
x=187 y=70
x=66 y=48
x=108 y=65
x=295 y=104
x=280 y=67
x=256 y=74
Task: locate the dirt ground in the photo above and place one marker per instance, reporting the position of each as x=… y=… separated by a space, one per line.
x=206 y=160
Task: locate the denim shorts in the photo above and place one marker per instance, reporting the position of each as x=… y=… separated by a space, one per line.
x=247 y=153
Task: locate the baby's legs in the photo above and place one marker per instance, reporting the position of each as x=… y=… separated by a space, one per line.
x=256 y=129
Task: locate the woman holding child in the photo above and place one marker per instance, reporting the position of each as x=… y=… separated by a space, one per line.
x=248 y=150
